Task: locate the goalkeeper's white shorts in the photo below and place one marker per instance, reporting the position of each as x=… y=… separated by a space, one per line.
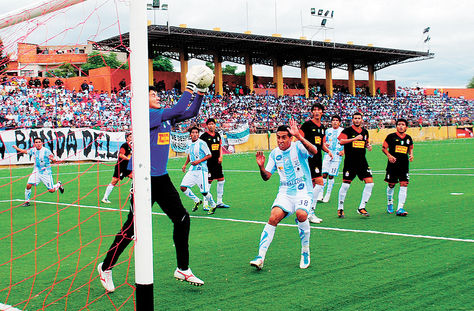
x=291 y=203
x=37 y=177
x=198 y=178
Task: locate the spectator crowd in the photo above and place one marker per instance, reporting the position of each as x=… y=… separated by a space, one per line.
x=24 y=106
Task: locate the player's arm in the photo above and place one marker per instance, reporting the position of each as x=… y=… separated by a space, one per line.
x=368 y=145
x=297 y=134
x=193 y=110
x=261 y=165
x=19 y=150
x=344 y=140
x=325 y=147
x=185 y=164
x=122 y=155
x=410 y=153
x=390 y=157
x=220 y=153
x=205 y=158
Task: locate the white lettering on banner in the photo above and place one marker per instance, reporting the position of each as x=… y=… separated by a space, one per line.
x=67 y=144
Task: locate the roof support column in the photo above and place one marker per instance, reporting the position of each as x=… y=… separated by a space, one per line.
x=248 y=73
x=304 y=77
x=329 y=87
x=371 y=80
x=183 y=60
x=150 y=72
x=278 y=76
x=351 y=81
x=218 y=74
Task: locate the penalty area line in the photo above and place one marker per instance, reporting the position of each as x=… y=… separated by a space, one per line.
x=418 y=236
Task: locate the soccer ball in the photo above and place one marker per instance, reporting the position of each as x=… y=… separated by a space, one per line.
x=207 y=78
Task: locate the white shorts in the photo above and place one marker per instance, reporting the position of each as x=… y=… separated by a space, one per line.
x=198 y=178
x=291 y=203
x=46 y=178
x=331 y=167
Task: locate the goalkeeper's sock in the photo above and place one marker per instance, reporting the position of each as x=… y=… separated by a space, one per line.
x=265 y=240
x=191 y=195
x=220 y=191
x=305 y=232
x=27 y=195
x=390 y=192
x=402 y=196
x=109 y=189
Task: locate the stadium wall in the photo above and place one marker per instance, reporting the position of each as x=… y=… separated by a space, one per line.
x=466 y=93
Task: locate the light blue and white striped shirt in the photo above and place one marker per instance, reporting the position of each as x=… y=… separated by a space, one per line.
x=41 y=158
x=198 y=150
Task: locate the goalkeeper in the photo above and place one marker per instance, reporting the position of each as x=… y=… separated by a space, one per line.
x=162 y=190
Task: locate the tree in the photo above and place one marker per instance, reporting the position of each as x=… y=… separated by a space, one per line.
x=471 y=84
x=161 y=63
x=229 y=70
x=97 y=60
x=66 y=70
x=4 y=60
x=210 y=65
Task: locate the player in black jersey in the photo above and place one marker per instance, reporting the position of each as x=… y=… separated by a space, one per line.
x=398 y=147
x=314 y=131
x=355 y=140
x=214 y=164
x=120 y=170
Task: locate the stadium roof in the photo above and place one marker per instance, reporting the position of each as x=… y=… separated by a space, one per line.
x=232 y=47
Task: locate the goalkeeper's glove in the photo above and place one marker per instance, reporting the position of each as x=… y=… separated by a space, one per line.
x=194 y=76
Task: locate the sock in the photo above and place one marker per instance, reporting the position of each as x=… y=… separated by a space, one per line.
x=325 y=181
x=366 y=195
x=390 y=192
x=27 y=195
x=220 y=191
x=402 y=196
x=305 y=232
x=204 y=201
x=109 y=189
x=342 y=194
x=265 y=240
x=209 y=198
x=316 y=191
x=191 y=195
x=330 y=185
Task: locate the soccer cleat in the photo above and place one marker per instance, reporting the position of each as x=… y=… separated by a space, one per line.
x=340 y=213
x=212 y=210
x=222 y=205
x=26 y=204
x=196 y=205
x=314 y=219
x=205 y=207
x=363 y=212
x=187 y=276
x=305 y=260
x=105 y=201
x=106 y=278
x=257 y=263
x=326 y=198
x=401 y=212
x=390 y=208
x=320 y=197
x=61 y=188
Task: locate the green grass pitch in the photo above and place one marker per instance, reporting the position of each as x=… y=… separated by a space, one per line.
x=56 y=246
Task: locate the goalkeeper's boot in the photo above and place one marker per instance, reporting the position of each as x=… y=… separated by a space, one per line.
x=222 y=205
x=363 y=212
x=305 y=259
x=106 y=278
x=187 y=276
x=61 y=188
x=196 y=206
x=390 y=208
x=401 y=212
x=257 y=263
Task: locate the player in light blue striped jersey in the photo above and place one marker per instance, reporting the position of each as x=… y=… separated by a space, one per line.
x=43 y=157
x=295 y=194
x=331 y=164
x=197 y=153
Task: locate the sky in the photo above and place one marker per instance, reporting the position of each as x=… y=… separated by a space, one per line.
x=390 y=24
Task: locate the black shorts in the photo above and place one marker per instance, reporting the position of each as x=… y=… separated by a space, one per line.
x=395 y=174
x=215 y=170
x=121 y=171
x=315 y=166
x=360 y=169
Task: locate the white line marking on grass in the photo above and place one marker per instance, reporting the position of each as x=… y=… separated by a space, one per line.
x=456 y=193
x=284 y=225
x=7 y=308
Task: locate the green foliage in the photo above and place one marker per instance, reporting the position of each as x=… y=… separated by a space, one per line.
x=210 y=65
x=229 y=70
x=66 y=70
x=161 y=63
x=471 y=84
x=98 y=60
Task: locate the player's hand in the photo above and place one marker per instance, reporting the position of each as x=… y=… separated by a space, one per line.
x=369 y=147
x=410 y=157
x=184 y=168
x=219 y=160
x=392 y=159
x=341 y=153
x=260 y=158
x=294 y=129
x=359 y=137
x=330 y=154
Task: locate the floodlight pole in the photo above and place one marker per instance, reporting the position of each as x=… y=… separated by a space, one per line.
x=141 y=155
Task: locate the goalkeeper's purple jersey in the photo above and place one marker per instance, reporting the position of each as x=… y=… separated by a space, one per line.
x=161 y=121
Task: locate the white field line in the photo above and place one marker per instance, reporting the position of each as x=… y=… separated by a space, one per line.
x=263 y=223
x=7 y=308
